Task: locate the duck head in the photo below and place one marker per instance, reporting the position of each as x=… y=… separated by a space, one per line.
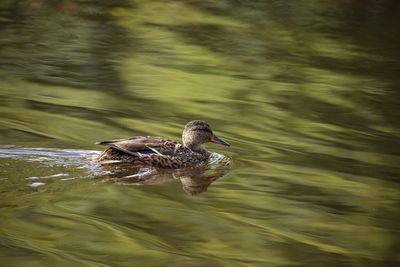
x=197 y=133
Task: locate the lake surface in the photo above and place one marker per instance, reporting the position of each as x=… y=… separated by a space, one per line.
x=306 y=92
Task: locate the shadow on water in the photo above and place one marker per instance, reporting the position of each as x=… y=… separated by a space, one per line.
x=195 y=180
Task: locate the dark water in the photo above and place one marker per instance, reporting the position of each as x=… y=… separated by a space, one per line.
x=306 y=92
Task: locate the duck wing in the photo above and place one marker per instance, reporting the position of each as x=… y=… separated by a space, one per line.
x=139 y=145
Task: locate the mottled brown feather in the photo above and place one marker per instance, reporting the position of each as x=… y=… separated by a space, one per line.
x=138 y=143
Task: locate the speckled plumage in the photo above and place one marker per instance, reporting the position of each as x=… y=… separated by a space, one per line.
x=162 y=152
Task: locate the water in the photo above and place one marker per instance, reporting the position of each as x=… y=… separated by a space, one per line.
x=306 y=92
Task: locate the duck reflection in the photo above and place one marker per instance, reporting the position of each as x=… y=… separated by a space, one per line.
x=195 y=179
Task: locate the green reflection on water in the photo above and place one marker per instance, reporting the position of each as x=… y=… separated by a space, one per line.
x=306 y=93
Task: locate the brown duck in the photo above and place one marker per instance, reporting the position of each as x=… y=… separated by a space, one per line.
x=162 y=152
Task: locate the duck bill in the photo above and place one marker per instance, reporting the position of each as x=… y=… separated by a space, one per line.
x=218 y=140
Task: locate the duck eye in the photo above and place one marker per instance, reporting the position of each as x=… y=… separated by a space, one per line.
x=203 y=130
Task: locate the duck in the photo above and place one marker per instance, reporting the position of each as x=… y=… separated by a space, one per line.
x=162 y=152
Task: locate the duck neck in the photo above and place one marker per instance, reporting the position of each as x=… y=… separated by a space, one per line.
x=198 y=148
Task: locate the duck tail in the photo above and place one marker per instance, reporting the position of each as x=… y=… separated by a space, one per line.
x=104 y=142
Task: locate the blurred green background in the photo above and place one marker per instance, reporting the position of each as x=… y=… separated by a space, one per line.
x=307 y=93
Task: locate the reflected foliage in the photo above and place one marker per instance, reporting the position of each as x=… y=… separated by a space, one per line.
x=305 y=91
x=67 y=43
